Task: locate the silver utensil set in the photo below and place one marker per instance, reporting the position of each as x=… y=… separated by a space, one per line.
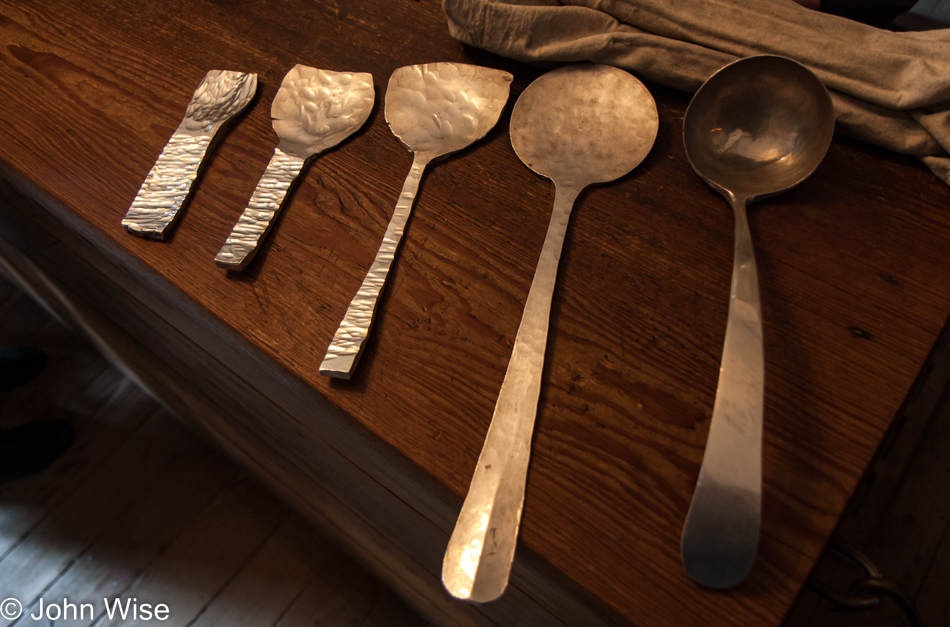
x=757 y=127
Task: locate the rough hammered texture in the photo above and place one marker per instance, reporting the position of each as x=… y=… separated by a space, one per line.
x=316 y=109
x=444 y=107
x=219 y=96
x=577 y=125
x=167 y=186
x=433 y=109
x=313 y=110
x=348 y=340
x=261 y=210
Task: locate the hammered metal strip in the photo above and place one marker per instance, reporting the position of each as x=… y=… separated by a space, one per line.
x=262 y=209
x=344 y=351
x=167 y=186
x=219 y=97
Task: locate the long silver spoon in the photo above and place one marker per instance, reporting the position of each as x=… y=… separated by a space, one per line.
x=434 y=110
x=756 y=128
x=578 y=125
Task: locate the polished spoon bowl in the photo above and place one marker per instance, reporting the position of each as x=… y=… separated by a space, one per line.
x=578 y=125
x=756 y=128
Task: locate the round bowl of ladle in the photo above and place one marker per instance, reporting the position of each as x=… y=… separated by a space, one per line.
x=756 y=128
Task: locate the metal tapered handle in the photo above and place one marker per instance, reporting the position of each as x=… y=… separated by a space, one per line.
x=482 y=547
x=344 y=351
x=167 y=186
x=262 y=209
x=721 y=534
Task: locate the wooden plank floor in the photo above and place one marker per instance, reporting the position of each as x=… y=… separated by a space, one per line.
x=142 y=508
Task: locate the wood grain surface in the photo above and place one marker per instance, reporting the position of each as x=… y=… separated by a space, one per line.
x=852 y=265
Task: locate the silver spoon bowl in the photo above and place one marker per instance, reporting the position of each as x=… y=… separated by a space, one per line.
x=756 y=128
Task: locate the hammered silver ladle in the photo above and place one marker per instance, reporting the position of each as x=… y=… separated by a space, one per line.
x=578 y=125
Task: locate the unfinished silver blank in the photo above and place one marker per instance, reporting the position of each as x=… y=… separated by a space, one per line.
x=219 y=97
x=313 y=111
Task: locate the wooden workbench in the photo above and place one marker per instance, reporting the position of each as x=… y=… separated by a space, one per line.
x=853 y=271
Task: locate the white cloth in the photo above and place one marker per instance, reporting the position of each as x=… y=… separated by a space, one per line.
x=888 y=88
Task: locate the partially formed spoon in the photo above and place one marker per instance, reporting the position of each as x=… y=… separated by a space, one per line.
x=220 y=96
x=578 y=125
x=756 y=128
x=434 y=109
x=313 y=111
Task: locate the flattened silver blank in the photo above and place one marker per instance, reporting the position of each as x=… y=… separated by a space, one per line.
x=313 y=111
x=219 y=97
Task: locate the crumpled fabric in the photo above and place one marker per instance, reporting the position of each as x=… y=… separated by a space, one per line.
x=888 y=88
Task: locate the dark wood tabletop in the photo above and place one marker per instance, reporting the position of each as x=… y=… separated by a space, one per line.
x=854 y=283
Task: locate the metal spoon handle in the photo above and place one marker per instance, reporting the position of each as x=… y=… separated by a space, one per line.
x=262 y=209
x=167 y=185
x=347 y=344
x=482 y=547
x=721 y=533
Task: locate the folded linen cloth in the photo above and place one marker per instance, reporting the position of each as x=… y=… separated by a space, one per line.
x=888 y=88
